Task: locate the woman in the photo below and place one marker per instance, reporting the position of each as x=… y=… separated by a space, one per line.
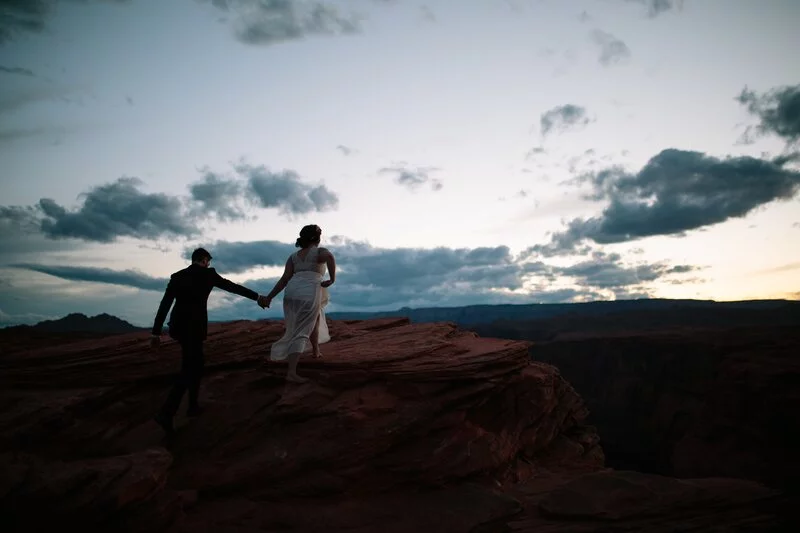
x=304 y=301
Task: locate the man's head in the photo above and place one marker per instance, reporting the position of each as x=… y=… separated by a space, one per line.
x=201 y=257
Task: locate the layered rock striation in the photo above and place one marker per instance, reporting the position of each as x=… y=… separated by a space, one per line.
x=402 y=428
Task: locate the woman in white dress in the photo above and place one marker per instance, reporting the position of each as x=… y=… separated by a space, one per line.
x=304 y=301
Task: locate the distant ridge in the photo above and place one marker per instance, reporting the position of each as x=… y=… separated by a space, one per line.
x=79 y=323
x=482 y=314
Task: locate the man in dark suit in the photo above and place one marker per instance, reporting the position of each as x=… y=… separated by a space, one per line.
x=189 y=289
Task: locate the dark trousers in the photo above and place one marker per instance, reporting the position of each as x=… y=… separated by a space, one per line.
x=192 y=361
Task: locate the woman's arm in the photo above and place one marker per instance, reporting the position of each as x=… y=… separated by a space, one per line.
x=325 y=256
x=288 y=272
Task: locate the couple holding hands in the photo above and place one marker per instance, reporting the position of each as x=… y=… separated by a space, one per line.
x=303 y=304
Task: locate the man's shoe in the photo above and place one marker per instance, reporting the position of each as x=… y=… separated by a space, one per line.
x=194 y=411
x=165 y=422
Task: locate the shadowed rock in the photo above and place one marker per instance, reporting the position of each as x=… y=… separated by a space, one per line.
x=402 y=428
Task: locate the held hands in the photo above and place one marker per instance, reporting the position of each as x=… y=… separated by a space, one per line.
x=327 y=283
x=264 y=301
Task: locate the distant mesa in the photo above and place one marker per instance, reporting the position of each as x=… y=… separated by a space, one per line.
x=80 y=323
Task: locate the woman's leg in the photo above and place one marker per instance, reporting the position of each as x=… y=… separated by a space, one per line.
x=315 y=341
x=291 y=375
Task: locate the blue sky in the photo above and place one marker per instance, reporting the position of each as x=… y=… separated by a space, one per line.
x=479 y=151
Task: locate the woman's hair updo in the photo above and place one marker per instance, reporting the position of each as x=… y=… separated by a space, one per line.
x=308 y=235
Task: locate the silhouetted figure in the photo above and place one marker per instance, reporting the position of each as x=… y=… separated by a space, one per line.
x=189 y=289
x=304 y=300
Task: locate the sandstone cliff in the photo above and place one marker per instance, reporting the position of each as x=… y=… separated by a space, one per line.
x=403 y=428
x=692 y=402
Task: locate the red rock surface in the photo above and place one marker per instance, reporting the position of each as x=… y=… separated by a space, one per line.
x=403 y=428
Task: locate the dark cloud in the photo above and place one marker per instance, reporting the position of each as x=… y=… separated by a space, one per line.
x=562 y=118
x=217 y=196
x=344 y=149
x=20 y=235
x=13 y=98
x=427 y=14
x=14 y=219
x=19 y=71
x=612 y=49
x=126 y=278
x=380 y=277
x=17 y=16
x=778 y=111
x=607 y=271
x=260 y=22
x=535 y=151
x=657 y=7
x=30 y=16
x=237 y=257
x=285 y=191
x=121 y=209
x=676 y=191
x=413 y=177
x=54 y=134
x=118 y=209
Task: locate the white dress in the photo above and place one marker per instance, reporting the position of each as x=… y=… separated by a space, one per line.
x=304 y=301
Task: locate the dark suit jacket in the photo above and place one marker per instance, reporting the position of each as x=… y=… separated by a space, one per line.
x=189 y=288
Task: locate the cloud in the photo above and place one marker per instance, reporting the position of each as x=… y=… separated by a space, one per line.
x=427 y=14
x=562 y=118
x=413 y=177
x=606 y=271
x=657 y=7
x=121 y=209
x=285 y=191
x=20 y=235
x=778 y=111
x=217 y=196
x=676 y=191
x=236 y=257
x=344 y=149
x=373 y=277
x=782 y=268
x=370 y=277
x=22 y=16
x=126 y=278
x=30 y=16
x=612 y=49
x=13 y=98
x=19 y=71
x=118 y=209
x=16 y=218
x=259 y=22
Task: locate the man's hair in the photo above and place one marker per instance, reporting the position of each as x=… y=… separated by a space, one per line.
x=200 y=254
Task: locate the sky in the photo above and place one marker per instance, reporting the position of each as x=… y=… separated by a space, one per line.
x=453 y=152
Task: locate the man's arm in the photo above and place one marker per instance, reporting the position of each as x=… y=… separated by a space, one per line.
x=163 y=309
x=229 y=286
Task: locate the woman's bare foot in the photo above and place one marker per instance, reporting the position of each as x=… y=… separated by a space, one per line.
x=317 y=355
x=295 y=379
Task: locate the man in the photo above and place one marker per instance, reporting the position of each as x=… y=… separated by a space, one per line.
x=189 y=289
